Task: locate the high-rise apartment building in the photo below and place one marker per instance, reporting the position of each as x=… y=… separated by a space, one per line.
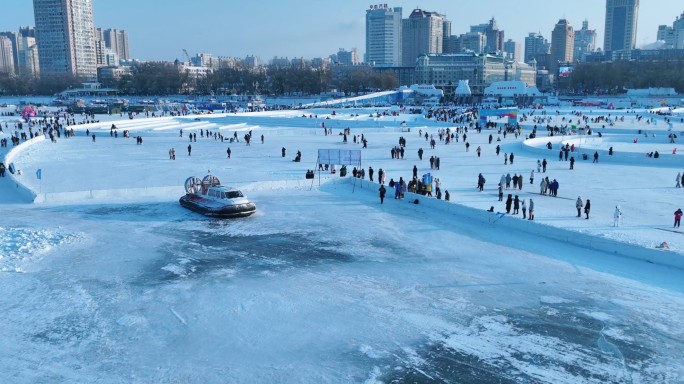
x=446 y=34
x=6 y=56
x=99 y=34
x=348 y=57
x=562 y=44
x=422 y=32
x=621 y=24
x=534 y=45
x=473 y=42
x=585 y=41
x=454 y=44
x=673 y=36
x=29 y=64
x=383 y=36
x=513 y=50
x=65 y=34
x=15 y=39
x=27 y=31
x=494 y=37
x=117 y=41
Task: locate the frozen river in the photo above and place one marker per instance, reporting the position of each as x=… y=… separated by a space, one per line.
x=326 y=285
x=322 y=286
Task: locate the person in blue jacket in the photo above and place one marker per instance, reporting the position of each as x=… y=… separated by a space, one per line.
x=397 y=191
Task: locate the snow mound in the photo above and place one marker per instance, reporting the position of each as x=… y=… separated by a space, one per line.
x=19 y=245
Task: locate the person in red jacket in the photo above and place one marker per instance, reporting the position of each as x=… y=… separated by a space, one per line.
x=678 y=217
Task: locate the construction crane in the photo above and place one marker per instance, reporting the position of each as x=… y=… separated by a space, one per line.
x=185 y=51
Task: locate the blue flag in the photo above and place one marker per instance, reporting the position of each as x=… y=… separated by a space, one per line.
x=39 y=174
x=500 y=215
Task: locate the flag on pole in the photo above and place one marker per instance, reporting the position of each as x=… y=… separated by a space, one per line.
x=39 y=174
x=500 y=215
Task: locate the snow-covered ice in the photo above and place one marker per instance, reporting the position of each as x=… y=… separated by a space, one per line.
x=326 y=285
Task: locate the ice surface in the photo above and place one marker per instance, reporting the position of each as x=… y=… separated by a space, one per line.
x=153 y=293
x=327 y=285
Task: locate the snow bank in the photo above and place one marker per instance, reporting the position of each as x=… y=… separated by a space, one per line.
x=25 y=193
x=175 y=191
x=538 y=146
x=580 y=239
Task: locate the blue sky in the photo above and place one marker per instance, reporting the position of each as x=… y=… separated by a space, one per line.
x=158 y=30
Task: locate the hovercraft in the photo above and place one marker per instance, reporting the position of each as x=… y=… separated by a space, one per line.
x=209 y=198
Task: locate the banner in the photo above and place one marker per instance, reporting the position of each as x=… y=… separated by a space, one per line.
x=339 y=157
x=511 y=113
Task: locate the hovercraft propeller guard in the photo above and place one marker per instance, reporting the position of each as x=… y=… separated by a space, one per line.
x=193 y=185
x=210 y=181
x=208 y=197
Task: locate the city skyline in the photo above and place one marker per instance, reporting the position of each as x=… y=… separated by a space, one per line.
x=161 y=33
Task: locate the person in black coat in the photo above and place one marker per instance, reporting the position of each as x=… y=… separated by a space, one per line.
x=587 y=208
x=516 y=205
x=511 y=157
x=572 y=162
x=383 y=191
x=283 y=150
x=509 y=202
x=415 y=172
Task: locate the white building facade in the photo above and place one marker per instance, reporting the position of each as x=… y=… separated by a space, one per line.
x=65 y=34
x=422 y=32
x=6 y=56
x=481 y=71
x=383 y=36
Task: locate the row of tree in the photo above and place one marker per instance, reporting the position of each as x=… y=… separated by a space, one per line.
x=48 y=84
x=619 y=75
x=157 y=79
x=164 y=79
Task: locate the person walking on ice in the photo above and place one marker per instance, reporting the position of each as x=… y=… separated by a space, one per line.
x=616 y=216
x=679 y=180
x=383 y=191
x=228 y=152
x=587 y=208
x=678 y=217
x=531 y=210
x=579 y=205
x=189 y=150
